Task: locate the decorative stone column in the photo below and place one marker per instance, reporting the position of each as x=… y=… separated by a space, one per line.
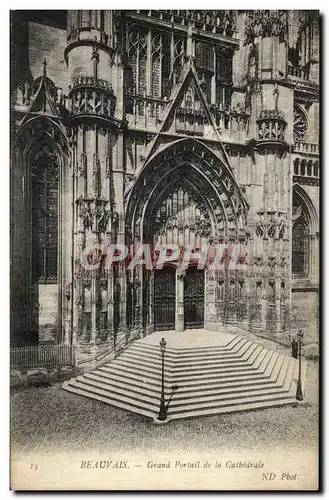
x=278 y=303
x=179 y=316
x=263 y=308
x=110 y=305
x=210 y=315
x=150 y=326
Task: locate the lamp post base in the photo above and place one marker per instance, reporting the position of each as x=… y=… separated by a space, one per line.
x=163 y=411
x=299 y=392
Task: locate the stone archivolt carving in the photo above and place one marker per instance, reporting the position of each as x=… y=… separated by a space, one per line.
x=94 y=214
x=296 y=211
x=183 y=210
x=265 y=23
x=217 y=191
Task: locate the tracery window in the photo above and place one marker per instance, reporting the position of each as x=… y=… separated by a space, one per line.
x=300 y=125
x=223 y=78
x=155 y=61
x=204 y=55
x=179 y=58
x=300 y=237
x=137 y=58
x=44 y=183
x=161 y=63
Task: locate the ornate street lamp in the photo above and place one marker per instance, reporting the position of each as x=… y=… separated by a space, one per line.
x=299 y=392
x=294 y=348
x=163 y=409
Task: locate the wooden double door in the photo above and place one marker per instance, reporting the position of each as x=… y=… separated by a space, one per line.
x=165 y=298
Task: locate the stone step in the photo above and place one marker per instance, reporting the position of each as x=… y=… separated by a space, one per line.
x=230 y=400
x=139 y=368
x=260 y=399
x=267 y=360
x=107 y=400
x=192 y=365
x=198 y=401
x=212 y=380
x=145 y=404
x=152 y=365
x=237 y=408
x=195 y=351
x=145 y=347
x=270 y=362
x=126 y=393
x=153 y=385
x=179 y=395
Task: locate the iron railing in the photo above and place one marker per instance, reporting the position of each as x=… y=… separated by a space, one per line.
x=42 y=356
x=123 y=343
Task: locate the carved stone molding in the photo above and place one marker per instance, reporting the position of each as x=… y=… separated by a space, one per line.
x=93 y=214
x=265 y=23
x=272 y=225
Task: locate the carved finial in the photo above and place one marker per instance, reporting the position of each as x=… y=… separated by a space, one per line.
x=44 y=67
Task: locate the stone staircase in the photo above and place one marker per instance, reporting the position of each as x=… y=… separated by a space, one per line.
x=239 y=376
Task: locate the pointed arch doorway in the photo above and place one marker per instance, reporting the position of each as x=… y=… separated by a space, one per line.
x=179 y=219
x=184 y=197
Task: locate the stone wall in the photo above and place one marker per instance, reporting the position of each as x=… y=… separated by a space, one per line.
x=47 y=42
x=305 y=313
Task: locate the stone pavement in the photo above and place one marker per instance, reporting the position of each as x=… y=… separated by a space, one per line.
x=191 y=338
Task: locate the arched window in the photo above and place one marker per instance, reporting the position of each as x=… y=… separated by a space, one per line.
x=300 y=248
x=303 y=216
x=44 y=184
x=316 y=169
x=310 y=168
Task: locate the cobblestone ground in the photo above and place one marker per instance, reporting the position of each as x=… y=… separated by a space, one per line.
x=50 y=419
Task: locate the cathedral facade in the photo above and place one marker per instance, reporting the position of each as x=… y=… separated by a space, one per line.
x=169 y=129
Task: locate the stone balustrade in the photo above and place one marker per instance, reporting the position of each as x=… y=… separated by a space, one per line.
x=230 y=123
x=144 y=112
x=298 y=73
x=217 y=22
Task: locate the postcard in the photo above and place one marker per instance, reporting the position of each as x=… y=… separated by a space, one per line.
x=164 y=245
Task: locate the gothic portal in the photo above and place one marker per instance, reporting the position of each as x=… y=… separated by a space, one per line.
x=186 y=128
